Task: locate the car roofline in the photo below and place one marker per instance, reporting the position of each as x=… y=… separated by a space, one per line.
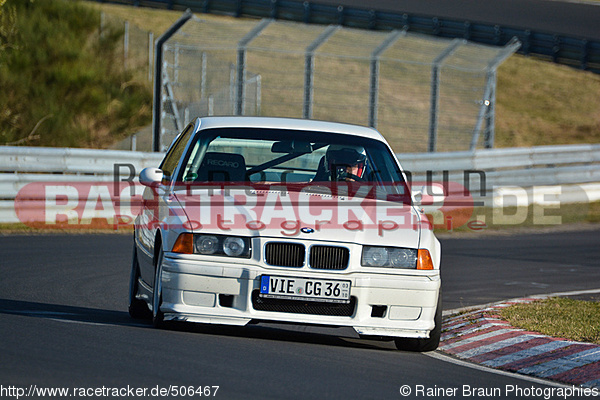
x=288 y=123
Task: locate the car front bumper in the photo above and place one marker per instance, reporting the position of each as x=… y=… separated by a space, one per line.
x=390 y=305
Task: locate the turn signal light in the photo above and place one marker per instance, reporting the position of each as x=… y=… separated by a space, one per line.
x=424 y=260
x=184 y=244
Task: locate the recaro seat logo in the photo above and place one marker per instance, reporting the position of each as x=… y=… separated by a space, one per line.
x=222 y=163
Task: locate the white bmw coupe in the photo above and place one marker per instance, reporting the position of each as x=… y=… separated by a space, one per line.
x=252 y=219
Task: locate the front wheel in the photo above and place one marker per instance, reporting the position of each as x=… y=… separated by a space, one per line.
x=158 y=318
x=429 y=344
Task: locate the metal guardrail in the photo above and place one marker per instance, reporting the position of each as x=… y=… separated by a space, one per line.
x=525 y=167
x=576 y=52
x=488 y=169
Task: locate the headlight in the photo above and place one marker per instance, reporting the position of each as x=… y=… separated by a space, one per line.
x=375 y=256
x=215 y=245
x=206 y=244
x=234 y=246
x=394 y=257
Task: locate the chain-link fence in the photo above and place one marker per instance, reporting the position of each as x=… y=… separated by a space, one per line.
x=422 y=93
x=136 y=46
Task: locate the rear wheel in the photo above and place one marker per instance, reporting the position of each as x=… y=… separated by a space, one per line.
x=137 y=308
x=158 y=318
x=429 y=344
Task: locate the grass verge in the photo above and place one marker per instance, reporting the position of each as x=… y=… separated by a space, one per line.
x=514 y=219
x=63 y=83
x=558 y=317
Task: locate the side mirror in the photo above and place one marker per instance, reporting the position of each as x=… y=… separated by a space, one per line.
x=151 y=176
x=433 y=193
x=418 y=195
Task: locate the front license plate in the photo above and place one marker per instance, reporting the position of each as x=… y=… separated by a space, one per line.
x=285 y=287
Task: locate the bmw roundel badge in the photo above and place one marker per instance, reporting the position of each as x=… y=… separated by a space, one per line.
x=307 y=230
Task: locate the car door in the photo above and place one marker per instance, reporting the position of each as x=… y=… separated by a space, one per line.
x=155 y=206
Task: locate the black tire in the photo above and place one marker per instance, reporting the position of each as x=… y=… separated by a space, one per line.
x=429 y=344
x=138 y=308
x=158 y=317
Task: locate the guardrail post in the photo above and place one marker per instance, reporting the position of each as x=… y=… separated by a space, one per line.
x=274 y=6
x=309 y=66
x=340 y=11
x=372 y=19
x=467 y=33
x=241 y=63
x=374 y=82
x=584 y=54
x=435 y=88
x=556 y=48
x=306 y=5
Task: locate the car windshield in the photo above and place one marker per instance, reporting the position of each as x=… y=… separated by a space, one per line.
x=252 y=156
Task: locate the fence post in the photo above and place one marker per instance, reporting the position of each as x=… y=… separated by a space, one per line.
x=488 y=103
x=203 y=76
x=170 y=97
x=483 y=111
x=241 y=63
x=258 y=94
x=490 y=113
x=150 y=54
x=309 y=66
x=435 y=91
x=158 y=61
x=102 y=24
x=126 y=45
x=374 y=82
x=211 y=106
x=232 y=88
x=176 y=64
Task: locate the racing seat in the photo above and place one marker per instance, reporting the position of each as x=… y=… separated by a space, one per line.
x=322 y=174
x=222 y=167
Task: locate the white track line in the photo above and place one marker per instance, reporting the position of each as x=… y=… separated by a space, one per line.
x=445 y=358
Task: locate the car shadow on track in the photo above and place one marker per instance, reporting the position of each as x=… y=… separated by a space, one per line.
x=65 y=313
x=319 y=335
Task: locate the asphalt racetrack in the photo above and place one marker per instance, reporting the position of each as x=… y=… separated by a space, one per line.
x=63 y=298
x=64 y=323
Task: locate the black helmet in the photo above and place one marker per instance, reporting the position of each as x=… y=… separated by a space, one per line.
x=339 y=157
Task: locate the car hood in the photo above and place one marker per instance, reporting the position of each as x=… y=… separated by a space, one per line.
x=299 y=215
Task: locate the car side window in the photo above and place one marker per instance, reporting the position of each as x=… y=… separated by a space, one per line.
x=172 y=158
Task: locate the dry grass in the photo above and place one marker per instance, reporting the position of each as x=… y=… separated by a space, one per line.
x=559 y=317
x=535 y=216
x=542 y=103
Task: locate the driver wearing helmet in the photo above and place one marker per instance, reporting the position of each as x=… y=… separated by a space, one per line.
x=346 y=162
